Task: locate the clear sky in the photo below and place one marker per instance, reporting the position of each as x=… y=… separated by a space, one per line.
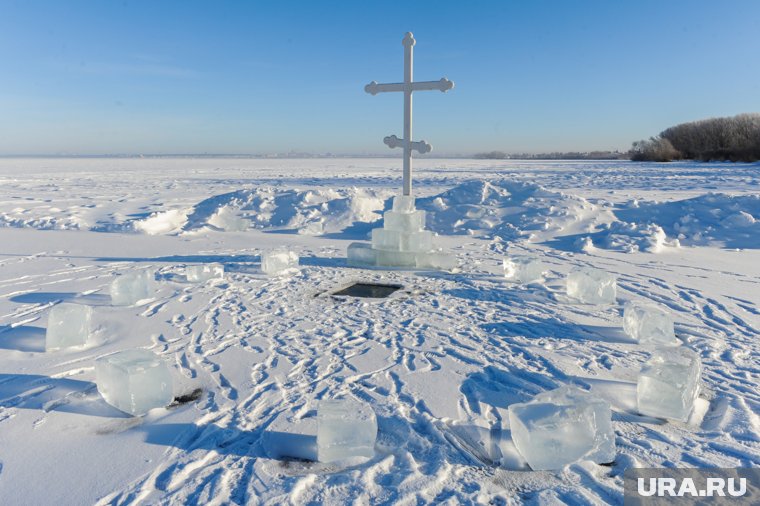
x=262 y=77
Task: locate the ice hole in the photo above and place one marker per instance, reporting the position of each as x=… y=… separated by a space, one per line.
x=369 y=290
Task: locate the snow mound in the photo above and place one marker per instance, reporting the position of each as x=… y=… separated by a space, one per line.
x=164 y=222
x=507 y=209
x=311 y=212
x=732 y=221
x=630 y=238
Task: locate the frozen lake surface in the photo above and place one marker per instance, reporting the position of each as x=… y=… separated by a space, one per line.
x=439 y=361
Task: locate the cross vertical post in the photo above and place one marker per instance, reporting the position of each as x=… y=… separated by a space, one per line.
x=408 y=43
x=408 y=87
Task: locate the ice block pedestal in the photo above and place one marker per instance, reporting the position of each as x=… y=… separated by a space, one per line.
x=402 y=242
x=592 y=286
x=561 y=426
x=68 y=325
x=668 y=383
x=346 y=428
x=134 y=381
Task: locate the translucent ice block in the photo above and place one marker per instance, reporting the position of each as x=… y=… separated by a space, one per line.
x=668 y=383
x=523 y=269
x=361 y=255
x=130 y=288
x=592 y=286
x=603 y=451
x=404 y=222
x=68 y=325
x=648 y=324
x=550 y=436
x=278 y=261
x=134 y=381
x=204 y=272
x=346 y=428
x=403 y=204
x=291 y=437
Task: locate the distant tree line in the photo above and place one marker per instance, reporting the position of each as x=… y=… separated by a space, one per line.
x=734 y=139
x=571 y=155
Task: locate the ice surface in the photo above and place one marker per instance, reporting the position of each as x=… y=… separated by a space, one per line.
x=134 y=381
x=291 y=437
x=130 y=288
x=68 y=325
x=404 y=222
x=346 y=428
x=648 y=324
x=204 y=272
x=668 y=383
x=361 y=255
x=551 y=436
x=523 y=269
x=278 y=261
x=403 y=204
x=603 y=451
x=592 y=286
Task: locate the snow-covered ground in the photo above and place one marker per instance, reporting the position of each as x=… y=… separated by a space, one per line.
x=440 y=363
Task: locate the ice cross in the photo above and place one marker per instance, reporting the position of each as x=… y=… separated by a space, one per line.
x=408 y=86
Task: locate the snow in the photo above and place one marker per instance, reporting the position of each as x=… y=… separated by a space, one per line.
x=440 y=363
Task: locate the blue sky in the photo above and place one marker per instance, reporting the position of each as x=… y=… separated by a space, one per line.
x=265 y=77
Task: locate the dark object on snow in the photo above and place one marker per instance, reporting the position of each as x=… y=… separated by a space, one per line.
x=185 y=398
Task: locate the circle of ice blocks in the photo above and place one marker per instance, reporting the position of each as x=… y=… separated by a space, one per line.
x=204 y=272
x=668 y=383
x=346 y=428
x=129 y=289
x=559 y=427
x=648 y=324
x=134 y=381
x=523 y=269
x=592 y=286
x=68 y=325
x=279 y=261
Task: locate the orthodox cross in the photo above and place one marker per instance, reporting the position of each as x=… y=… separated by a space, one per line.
x=408 y=86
